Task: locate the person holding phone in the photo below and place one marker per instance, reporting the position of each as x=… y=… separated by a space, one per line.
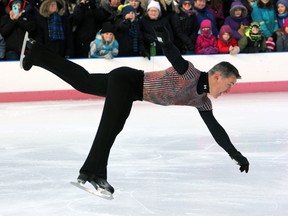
x=13 y=27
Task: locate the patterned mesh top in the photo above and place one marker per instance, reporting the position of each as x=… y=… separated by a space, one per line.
x=167 y=87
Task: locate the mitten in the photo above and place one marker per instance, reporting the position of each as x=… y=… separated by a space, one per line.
x=241 y=161
x=234 y=50
x=162 y=35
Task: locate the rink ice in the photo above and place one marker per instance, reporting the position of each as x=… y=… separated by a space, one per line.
x=164 y=162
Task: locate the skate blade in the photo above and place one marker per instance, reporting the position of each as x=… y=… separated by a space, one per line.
x=99 y=192
x=22 y=55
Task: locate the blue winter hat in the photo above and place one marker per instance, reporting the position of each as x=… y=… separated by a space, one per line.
x=182 y=1
x=284 y=2
x=127 y=9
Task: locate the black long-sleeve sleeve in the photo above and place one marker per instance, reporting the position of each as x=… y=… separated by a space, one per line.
x=218 y=132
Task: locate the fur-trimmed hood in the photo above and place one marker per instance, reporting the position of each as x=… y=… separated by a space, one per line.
x=45 y=4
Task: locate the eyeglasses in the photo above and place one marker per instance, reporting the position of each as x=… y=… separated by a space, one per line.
x=187 y=3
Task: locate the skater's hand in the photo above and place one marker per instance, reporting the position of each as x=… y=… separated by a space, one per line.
x=241 y=161
x=162 y=35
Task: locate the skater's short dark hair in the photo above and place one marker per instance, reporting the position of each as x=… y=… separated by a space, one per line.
x=226 y=70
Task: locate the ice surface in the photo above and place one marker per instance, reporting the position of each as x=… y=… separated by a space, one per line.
x=164 y=162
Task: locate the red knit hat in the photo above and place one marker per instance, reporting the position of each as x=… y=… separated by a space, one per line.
x=270 y=45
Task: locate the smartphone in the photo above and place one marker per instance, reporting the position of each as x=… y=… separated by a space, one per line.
x=15 y=9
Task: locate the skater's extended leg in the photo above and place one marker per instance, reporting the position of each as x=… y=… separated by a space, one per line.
x=67 y=70
x=124 y=86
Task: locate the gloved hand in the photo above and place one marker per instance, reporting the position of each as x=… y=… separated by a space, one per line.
x=241 y=161
x=162 y=35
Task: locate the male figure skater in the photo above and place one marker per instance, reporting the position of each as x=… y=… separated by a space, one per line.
x=181 y=84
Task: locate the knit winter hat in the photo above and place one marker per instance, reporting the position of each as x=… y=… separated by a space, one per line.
x=154 y=4
x=182 y=1
x=284 y=2
x=270 y=45
x=238 y=5
x=126 y=9
x=206 y=24
x=107 y=27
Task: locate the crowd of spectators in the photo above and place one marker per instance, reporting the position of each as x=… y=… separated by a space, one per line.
x=110 y=28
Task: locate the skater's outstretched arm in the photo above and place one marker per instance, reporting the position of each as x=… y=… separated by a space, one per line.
x=222 y=138
x=171 y=52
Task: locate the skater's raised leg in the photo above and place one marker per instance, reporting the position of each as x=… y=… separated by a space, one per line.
x=70 y=72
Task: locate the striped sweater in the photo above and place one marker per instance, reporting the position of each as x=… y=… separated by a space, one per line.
x=170 y=88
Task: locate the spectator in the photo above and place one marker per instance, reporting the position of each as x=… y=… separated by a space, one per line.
x=128 y=33
x=105 y=45
x=2 y=47
x=137 y=6
x=54 y=28
x=253 y=41
x=282 y=12
x=216 y=7
x=248 y=4
x=110 y=9
x=226 y=42
x=13 y=27
x=206 y=42
x=87 y=19
x=237 y=20
x=168 y=7
x=151 y=19
x=282 y=38
x=264 y=13
x=185 y=27
x=203 y=13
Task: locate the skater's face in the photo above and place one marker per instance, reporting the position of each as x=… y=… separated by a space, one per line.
x=219 y=84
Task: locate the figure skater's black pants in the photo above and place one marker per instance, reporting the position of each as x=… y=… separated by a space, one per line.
x=121 y=87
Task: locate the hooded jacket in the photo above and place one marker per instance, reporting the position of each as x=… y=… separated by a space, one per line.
x=223 y=45
x=63 y=47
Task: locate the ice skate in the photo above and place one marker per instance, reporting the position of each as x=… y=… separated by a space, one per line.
x=25 y=59
x=101 y=187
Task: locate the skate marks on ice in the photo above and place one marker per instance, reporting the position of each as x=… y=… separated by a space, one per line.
x=165 y=167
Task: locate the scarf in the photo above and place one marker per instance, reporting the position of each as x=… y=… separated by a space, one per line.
x=133 y=34
x=55 y=28
x=188 y=12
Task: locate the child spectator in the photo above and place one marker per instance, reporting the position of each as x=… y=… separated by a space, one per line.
x=137 y=6
x=282 y=38
x=185 y=27
x=264 y=13
x=206 y=42
x=253 y=41
x=237 y=20
x=105 y=45
x=226 y=42
x=282 y=11
x=13 y=27
x=203 y=13
x=128 y=33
